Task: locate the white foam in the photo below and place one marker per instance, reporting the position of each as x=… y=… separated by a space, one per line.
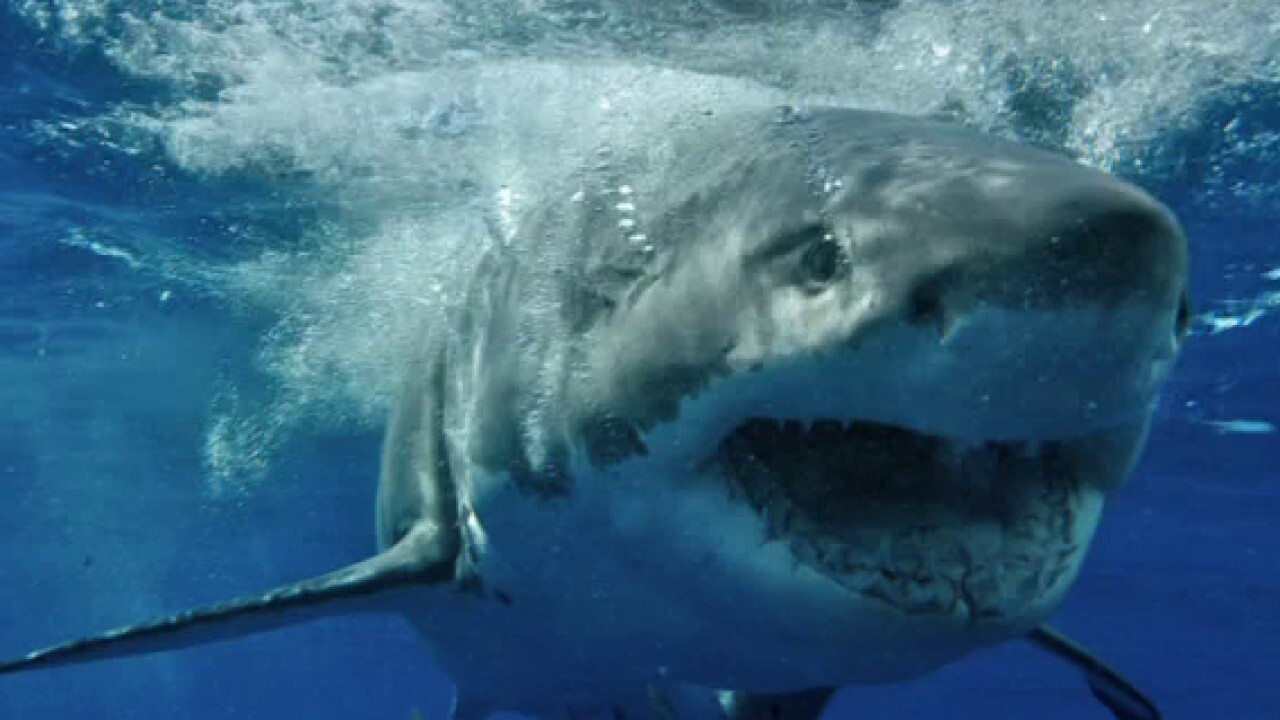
x=1239 y=314
x=400 y=113
x=1241 y=426
x=78 y=239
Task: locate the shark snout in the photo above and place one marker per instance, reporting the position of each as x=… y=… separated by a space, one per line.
x=1066 y=315
x=1112 y=250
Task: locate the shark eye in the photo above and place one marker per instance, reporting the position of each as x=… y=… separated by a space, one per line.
x=824 y=260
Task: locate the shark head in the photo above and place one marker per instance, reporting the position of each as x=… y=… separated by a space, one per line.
x=918 y=357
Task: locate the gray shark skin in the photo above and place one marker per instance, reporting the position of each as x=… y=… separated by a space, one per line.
x=810 y=398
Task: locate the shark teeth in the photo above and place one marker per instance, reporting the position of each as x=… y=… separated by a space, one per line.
x=929 y=525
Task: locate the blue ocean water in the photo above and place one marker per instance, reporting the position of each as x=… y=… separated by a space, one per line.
x=204 y=210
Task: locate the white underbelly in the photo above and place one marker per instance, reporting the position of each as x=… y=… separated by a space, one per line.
x=601 y=594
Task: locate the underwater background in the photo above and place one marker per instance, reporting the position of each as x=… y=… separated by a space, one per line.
x=220 y=221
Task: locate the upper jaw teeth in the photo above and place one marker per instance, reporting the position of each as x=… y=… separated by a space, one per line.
x=965 y=443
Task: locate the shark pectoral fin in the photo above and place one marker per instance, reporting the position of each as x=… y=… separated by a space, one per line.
x=1122 y=698
x=803 y=705
x=418 y=559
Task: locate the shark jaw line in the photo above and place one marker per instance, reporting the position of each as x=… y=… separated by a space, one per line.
x=989 y=532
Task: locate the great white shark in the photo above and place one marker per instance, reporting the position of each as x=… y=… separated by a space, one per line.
x=822 y=397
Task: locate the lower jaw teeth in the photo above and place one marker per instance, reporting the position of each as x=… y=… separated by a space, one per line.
x=990 y=550
x=980 y=591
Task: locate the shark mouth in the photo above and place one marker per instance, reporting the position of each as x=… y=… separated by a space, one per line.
x=928 y=525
